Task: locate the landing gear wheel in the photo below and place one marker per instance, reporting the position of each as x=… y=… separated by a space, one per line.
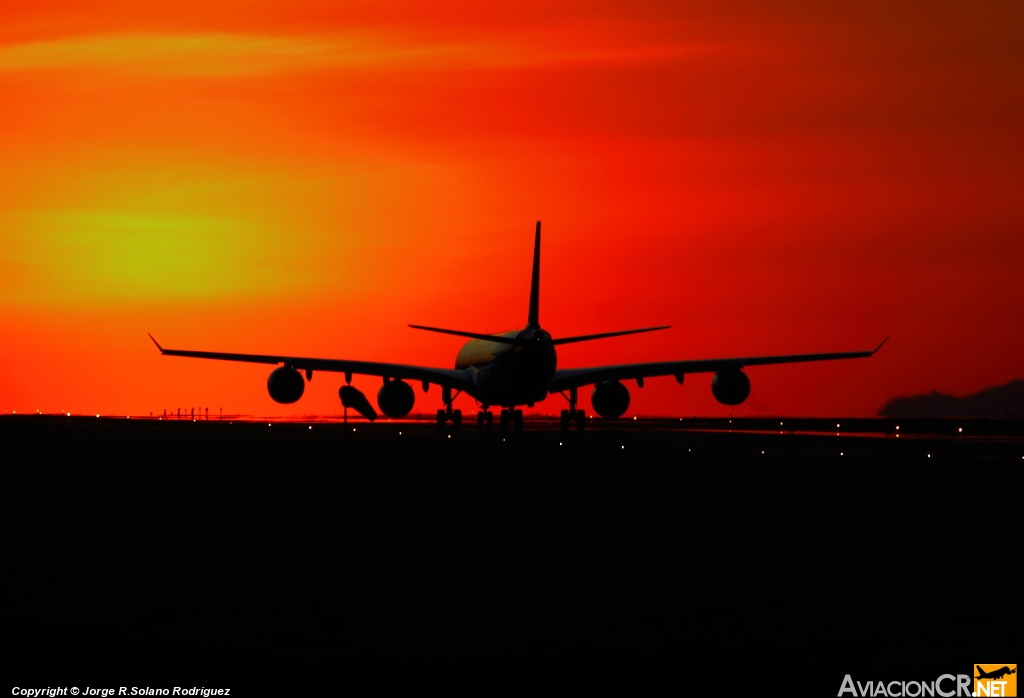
x=581 y=420
x=441 y=418
x=517 y=416
x=504 y=420
x=456 y=418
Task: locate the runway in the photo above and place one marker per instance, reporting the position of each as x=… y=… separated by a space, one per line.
x=242 y=552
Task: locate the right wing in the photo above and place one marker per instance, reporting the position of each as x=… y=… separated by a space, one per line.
x=566 y=378
x=453 y=378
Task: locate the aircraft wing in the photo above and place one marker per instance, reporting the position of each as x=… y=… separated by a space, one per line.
x=450 y=377
x=566 y=378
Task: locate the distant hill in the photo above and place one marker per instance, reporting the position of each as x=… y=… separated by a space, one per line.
x=998 y=402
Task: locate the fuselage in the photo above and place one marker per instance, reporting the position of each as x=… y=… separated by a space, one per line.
x=509 y=374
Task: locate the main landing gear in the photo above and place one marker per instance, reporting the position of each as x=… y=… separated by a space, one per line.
x=448 y=414
x=511 y=417
x=485 y=420
x=453 y=416
x=572 y=415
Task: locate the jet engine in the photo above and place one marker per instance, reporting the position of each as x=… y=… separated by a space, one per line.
x=730 y=387
x=285 y=385
x=610 y=399
x=395 y=398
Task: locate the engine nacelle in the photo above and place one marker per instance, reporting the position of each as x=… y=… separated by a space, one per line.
x=610 y=399
x=396 y=398
x=730 y=387
x=285 y=385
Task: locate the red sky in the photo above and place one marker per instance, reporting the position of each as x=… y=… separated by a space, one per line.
x=310 y=177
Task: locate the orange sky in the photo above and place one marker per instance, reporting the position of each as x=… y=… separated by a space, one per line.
x=308 y=178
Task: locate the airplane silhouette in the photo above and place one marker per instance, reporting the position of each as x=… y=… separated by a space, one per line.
x=508 y=370
x=995 y=673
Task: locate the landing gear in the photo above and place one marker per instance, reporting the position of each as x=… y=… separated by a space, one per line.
x=453 y=416
x=448 y=414
x=485 y=420
x=568 y=417
x=572 y=414
x=512 y=417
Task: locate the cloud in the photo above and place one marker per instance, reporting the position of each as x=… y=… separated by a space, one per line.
x=185 y=54
x=227 y=54
x=1000 y=401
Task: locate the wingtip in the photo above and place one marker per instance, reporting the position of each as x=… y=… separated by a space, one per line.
x=156 y=343
x=883 y=342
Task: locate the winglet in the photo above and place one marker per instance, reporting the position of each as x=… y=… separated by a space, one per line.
x=876 y=348
x=156 y=343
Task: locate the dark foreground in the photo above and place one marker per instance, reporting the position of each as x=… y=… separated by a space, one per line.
x=149 y=553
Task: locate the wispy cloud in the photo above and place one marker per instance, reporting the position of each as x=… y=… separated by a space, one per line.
x=222 y=54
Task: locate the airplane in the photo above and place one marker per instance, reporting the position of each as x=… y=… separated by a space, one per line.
x=995 y=673
x=508 y=370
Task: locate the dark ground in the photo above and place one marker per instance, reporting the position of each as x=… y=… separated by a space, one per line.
x=214 y=554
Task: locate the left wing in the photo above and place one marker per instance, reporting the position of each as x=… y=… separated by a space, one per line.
x=453 y=378
x=566 y=378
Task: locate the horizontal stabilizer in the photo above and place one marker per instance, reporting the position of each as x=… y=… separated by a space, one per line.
x=588 y=337
x=472 y=335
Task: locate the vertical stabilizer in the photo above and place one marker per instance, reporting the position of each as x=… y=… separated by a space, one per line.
x=532 y=320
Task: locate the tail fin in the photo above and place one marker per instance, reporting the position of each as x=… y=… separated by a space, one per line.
x=532 y=320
